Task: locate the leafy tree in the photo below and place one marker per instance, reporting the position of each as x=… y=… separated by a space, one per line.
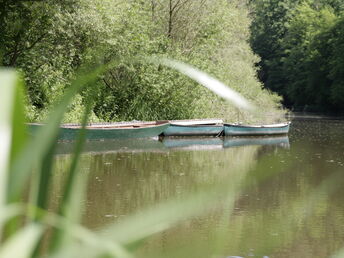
x=296 y=41
x=328 y=59
x=270 y=24
x=50 y=40
x=297 y=63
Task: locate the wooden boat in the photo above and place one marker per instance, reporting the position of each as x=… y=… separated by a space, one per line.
x=273 y=129
x=111 y=130
x=206 y=127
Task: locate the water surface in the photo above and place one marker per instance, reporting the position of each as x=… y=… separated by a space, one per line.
x=287 y=191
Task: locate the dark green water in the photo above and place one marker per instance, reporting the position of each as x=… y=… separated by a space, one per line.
x=288 y=194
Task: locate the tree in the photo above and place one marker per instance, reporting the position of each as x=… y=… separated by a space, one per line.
x=328 y=48
x=54 y=39
x=269 y=26
x=296 y=41
x=298 y=63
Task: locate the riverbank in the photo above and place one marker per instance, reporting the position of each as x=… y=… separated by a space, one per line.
x=211 y=36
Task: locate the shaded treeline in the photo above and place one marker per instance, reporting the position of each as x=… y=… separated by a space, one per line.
x=301 y=43
x=49 y=41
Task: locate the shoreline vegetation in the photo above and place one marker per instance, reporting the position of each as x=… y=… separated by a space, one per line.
x=50 y=41
x=78 y=61
x=301 y=45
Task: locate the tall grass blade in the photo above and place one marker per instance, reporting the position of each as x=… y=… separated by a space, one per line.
x=10 y=211
x=12 y=129
x=206 y=80
x=339 y=254
x=167 y=214
x=36 y=148
x=7 y=80
x=74 y=189
x=92 y=243
x=44 y=177
x=23 y=243
x=162 y=217
x=19 y=129
x=138 y=227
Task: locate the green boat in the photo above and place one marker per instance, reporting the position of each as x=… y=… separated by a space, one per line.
x=206 y=127
x=243 y=130
x=120 y=130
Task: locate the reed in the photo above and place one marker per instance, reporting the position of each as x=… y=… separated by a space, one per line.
x=26 y=175
x=26 y=163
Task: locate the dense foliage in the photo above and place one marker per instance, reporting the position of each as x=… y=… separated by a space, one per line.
x=50 y=40
x=301 y=45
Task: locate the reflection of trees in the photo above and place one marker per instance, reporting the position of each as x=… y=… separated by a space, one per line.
x=297 y=212
x=123 y=183
x=287 y=214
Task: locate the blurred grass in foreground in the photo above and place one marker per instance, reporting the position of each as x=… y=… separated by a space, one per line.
x=24 y=215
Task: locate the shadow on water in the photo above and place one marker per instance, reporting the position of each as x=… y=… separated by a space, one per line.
x=113 y=146
x=287 y=198
x=171 y=143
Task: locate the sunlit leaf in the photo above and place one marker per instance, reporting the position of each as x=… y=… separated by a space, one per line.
x=10 y=211
x=206 y=80
x=339 y=254
x=23 y=243
x=74 y=190
x=9 y=116
x=92 y=243
x=37 y=148
x=167 y=214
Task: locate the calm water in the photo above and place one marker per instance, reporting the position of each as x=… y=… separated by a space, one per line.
x=288 y=192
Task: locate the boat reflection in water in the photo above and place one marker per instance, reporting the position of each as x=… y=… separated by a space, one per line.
x=114 y=146
x=170 y=143
x=211 y=143
x=279 y=141
x=193 y=143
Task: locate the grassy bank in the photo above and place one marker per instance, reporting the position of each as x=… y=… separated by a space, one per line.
x=53 y=39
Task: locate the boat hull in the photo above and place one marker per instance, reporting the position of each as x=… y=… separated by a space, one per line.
x=193 y=130
x=69 y=134
x=241 y=130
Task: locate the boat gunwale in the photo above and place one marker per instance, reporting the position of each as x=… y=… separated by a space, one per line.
x=110 y=126
x=198 y=125
x=272 y=126
x=195 y=122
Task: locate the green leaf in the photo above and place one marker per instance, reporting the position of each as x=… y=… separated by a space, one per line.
x=23 y=243
x=10 y=211
x=11 y=126
x=339 y=254
x=92 y=243
x=163 y=216
x=206 y=80
x=35 y=149
x=74 y=189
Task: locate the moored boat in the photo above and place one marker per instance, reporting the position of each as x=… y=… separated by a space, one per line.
x=203 y=127
x=120 y=130
x=272 y=129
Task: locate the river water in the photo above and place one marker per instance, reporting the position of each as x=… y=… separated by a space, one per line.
x=286 y=193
